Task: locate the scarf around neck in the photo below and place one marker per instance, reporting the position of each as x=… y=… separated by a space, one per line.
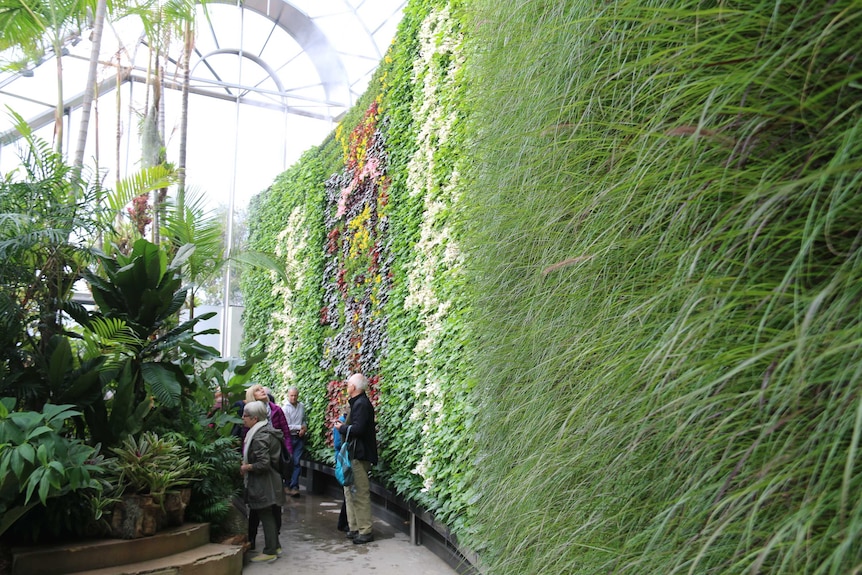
x=248 y=437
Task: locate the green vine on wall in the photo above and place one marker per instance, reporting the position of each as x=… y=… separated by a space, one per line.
x=284 y=319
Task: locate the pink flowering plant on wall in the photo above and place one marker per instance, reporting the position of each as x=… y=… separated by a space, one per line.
x=357 y=269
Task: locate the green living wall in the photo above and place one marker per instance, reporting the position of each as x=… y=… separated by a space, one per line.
x=601 y=262
x=365 y=226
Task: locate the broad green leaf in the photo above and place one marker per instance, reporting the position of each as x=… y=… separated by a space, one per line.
x=57 y=467
x=123 y=402
x=45 y=485
x=57 y=414
x=33 y=483
x=39 y=431
x=83 y=384
x=60 y=363
x=24 y=452
x=163 y=381
x=42 y=454
x=265 y=261
x=12 y=515
x=182 y=256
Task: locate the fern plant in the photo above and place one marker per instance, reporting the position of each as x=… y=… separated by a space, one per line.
x=210 y=445
x=212 y=494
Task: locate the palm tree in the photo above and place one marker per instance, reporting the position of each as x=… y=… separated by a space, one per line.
x=39 y=27
x=42 y=222
x=164 y=20
x=192 y=223
x=48 y=216
x=90 y=86
x=182 y=14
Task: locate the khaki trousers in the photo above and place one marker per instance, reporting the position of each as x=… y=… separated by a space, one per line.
x=358 y=498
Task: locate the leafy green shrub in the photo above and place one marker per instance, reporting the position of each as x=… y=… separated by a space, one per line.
x=210 y=446
x=37 y=462
x=88 y=377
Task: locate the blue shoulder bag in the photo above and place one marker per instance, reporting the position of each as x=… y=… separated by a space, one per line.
x=343 y=470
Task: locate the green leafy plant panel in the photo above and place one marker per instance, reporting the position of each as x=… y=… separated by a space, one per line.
x=370 y=244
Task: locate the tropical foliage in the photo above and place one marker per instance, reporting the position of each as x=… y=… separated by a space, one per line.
x=155 y=465
x=39 y=462
x=74 y=377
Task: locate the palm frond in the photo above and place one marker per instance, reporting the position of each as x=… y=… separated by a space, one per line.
x=264 y=261
x=144 y=181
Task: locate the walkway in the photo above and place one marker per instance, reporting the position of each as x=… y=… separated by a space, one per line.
x=314 y=546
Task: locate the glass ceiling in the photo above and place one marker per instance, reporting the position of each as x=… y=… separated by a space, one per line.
x=269 y=79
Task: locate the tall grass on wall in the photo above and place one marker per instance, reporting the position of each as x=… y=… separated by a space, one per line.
x=666 y=238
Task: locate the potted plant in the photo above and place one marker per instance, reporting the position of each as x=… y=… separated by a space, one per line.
x=154 y=475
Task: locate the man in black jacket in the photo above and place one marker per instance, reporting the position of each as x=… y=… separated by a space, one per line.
x=360 y=432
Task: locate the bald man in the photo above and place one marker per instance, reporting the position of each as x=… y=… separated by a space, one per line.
x=359 y=430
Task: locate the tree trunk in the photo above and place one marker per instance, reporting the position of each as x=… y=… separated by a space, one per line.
x=119 y=139
x=61 y=104
x=188 y=40
x=90 y=86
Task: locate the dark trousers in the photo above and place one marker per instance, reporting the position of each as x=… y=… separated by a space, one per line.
x=267 y=516
x=342 y=518
x=298 y=446
x=254 y=522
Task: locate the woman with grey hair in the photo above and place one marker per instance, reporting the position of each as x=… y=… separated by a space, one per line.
x=276 y=418
x=261 y=460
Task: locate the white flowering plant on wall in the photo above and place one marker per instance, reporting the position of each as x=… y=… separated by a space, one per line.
x=291 y=246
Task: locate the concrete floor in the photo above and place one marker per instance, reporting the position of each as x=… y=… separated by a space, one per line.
x=313 y=545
